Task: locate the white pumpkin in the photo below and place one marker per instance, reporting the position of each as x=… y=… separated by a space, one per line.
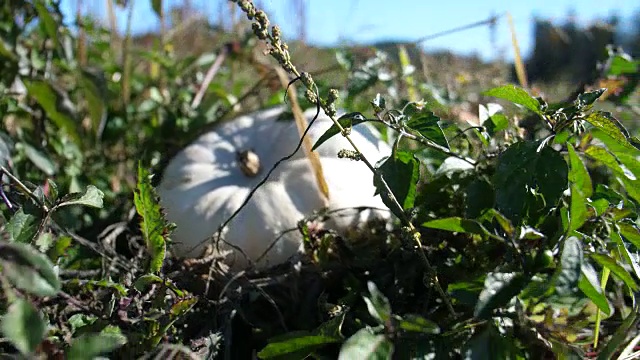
x=205 y=183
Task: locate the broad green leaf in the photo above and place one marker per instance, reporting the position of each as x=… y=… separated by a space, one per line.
x=23 y=326
x=588 y=98
x=522 y=169
x=516 y=95
x=143 y=282
x=578 y=173
x=366 y=345
x=302 y=346
x=426 y=123
x=610 y=125
x=39 y=159
x=456 y=224
x=589 y=284
x=416 y=323
x=568 y=273
x=499 y=289
x=152 y=221
x=78 y=321
x=53 y=103
x=28 y=269
x=479 y=196
x=347 y=121
x=401 y=172
x=378 y=305
x=622 y=65
x=623 y=253
x=22 y=227
x=630 y=232
x=616 y=269
x=92 y=197
x=606 y=158
x=581 y=189
x=92 y=345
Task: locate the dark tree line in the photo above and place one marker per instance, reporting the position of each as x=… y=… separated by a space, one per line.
x=570 y=52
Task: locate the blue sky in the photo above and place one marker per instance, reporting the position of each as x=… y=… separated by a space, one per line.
x=362 y=21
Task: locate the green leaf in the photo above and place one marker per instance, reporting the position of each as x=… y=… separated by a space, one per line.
x=516 y=95
x=499 y=289
x=39 y=159
x=53 y=103
x=588 y=98
x=581 y=189
x=156 y=5
x=426 y=123
x=347 y=121
x=630 y=233
x=93 y=345
x=23 y=326
x=49 y=24
x=94 y=89
x=589 y=284
x=616 y=269
x=456 y=224
x=401 y=172
x=622 y=65
x=152 y=222
x=22 y=227
x=610 y=125
x=378 y=305
x=91 y=197
x=28 y=269
x=606 y=158
x=416 y=323
x=182 y=306
x=364 y=344
x=144 y=281
x=520 y=170
x=302 y=346
x=568 y=273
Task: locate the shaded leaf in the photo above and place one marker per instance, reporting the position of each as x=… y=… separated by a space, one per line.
x=29 y=269
x=426 y=123
x=620 y=336
x=22 y=227
x=630 y=232
x=302 y=346
x=489 y=344
x=499 y=289
x=39 y=159
x=416 y=323
x=401 y=172
x=366 y=345
x=516 y=95
x=93 y=345
x=568 y=273
x=23 y=326
x=53 y=102
x=156 y=5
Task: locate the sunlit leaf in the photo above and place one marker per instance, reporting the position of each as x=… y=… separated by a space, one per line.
x=377 y=304
x=499 y=289
x=364 y=344
x=92 y=197
x=516 y=95
x=589 y=284
x=616 y=269
x=301 y=346
x=610 y=125
x=92 y=345
x=152 y=221
x=456 y=224
x=401 y=172
x=346 y=121
x=22 y=227
x=426 y=123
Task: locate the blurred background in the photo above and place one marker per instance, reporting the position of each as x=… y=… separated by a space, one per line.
x=555 y=37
